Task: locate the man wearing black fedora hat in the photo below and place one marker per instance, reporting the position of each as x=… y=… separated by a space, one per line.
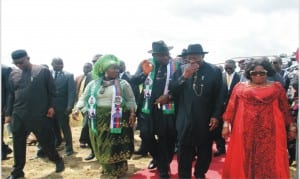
x=30 y=108
x=197 y=86
x=156 y=117
x=183 y=56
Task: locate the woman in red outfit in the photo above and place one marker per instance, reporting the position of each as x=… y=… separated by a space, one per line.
x=258 y=116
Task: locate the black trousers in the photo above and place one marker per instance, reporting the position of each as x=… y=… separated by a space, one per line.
x=186 y=154
x=217 y=135
x=158 y=133
x=42 y=128
x=64 y=125
x=4 y=147
x=57 y=133
x=85 y=135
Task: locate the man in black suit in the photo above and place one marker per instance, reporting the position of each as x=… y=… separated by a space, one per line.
x=30 y=108
x=81 y=82
x=63 y=102
x=197 y=86
x=157 y=113
x=5 y=71
x=230 y=79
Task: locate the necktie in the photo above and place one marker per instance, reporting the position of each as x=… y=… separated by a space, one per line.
x=228 y=80
x=56 y=74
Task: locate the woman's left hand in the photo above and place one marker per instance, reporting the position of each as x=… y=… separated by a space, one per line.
x=213 y=123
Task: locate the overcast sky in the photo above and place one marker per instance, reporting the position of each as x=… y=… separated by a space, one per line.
x=76 y=30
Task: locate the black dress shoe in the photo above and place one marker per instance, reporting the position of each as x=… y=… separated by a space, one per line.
x=90 y=157
x=219 y=152
x=41 y=154
x=68 y=153
x=152 y=164
x=4 y=157
x=8 y=150
x=60 y=166
x=15 y=176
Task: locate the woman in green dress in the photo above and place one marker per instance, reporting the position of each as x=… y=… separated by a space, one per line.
x=109 y=104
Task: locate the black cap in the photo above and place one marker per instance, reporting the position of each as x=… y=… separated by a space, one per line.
x=17 y=54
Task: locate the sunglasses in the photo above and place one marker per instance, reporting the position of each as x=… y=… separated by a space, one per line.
x=228 y=68
x=275 y=63
x=260 y=73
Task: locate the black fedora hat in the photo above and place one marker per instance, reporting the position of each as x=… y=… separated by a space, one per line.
x=195 y=49
x=183 y=53
x=160 y=47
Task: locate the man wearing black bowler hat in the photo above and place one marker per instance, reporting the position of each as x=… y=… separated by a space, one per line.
x=183 y=56
x=197 y=86
x=157 y=112
x=30 y=109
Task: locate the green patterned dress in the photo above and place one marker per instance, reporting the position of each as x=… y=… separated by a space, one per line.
x=111 y=150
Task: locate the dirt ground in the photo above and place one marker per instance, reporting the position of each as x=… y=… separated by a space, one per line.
x=76 y=166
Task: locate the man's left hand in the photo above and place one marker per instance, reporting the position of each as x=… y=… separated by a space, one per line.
x=163 y=99
x=213 y=123
x=50 y=113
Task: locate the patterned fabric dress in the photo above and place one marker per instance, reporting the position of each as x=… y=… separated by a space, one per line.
x=111 y=150
x=258 y=143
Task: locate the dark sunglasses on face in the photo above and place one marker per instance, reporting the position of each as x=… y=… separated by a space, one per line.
x=228 y=68
x=275 y=63
x=260 y=73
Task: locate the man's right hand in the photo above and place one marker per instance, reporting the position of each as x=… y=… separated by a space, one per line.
x=7 y=119
x=190 y=69
x=146 y=66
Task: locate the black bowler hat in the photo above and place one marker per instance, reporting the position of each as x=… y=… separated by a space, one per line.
x=17 y=54
x=160 y=47
x=195 y=49
x=183 y=53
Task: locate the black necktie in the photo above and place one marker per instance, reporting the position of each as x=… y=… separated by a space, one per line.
x=56 y=74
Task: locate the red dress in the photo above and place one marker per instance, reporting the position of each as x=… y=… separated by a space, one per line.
x=258 y=142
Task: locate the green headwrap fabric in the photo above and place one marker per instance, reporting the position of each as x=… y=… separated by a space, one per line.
x=102 y=65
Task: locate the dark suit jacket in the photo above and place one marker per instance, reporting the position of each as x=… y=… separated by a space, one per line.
x=5 y=71
x=236 y=78
x=78 y=81
x=31 y=94
x=194 y=112
x=65 y=91
x=134 y=87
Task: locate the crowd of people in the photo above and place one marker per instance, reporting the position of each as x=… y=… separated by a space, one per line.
x=180 y=106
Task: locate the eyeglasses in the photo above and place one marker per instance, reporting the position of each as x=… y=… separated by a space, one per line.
x=228 y=68
x=275 y=63
x=260 y=73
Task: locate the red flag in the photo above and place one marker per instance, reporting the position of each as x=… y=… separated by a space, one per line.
x=297 y=55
